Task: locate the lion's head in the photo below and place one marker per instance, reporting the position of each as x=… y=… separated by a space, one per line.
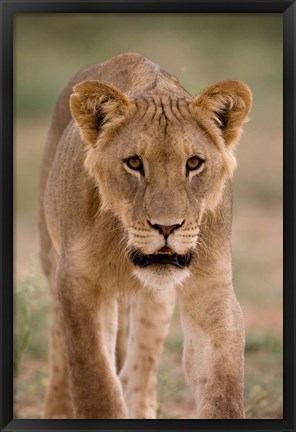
x=160 y=159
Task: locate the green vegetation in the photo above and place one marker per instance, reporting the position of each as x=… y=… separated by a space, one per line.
x=199 y=49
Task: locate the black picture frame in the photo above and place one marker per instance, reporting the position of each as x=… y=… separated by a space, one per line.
x=8 y=8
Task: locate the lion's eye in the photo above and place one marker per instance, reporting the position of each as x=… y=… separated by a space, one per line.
x=134 y=163
x=193 y=163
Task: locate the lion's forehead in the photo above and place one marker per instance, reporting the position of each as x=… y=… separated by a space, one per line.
x=164 y=110
x=165 y=127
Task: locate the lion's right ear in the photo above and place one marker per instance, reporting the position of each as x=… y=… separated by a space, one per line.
x=93 y=105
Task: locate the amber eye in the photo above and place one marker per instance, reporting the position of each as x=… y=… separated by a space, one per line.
x=134 y=163
x=193 y=163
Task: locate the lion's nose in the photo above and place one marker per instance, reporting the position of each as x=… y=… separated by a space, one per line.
x=165 y=230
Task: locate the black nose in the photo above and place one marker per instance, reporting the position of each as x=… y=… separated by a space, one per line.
x=165 y=230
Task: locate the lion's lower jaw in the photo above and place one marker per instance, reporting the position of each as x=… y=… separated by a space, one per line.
x=161 y=279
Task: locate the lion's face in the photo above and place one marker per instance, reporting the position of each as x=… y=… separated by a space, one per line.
x=157 y=176
x=159 y=169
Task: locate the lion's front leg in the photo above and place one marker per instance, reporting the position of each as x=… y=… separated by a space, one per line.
x=149 y=325
x=214 y=351
x=90 y=323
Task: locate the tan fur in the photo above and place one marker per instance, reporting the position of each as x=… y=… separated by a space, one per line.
x=94 y=210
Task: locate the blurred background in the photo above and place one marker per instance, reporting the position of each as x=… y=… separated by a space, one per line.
x=199 y=49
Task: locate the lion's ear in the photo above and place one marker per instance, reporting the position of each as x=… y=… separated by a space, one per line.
x=228 y=104
x=94 y=104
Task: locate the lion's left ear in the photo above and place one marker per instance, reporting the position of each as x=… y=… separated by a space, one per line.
x=94 y=104
x=228 y=104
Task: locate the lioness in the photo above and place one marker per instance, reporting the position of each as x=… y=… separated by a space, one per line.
x=135 y=202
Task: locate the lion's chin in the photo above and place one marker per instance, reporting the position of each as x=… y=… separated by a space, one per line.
x=161 y=277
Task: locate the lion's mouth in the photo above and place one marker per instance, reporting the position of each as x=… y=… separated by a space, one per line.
x=162 y=257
